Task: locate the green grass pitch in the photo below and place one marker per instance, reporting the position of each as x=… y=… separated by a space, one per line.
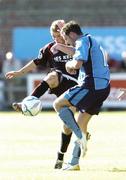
x=28 y=148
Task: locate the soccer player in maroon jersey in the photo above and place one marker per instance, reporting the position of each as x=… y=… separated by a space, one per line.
x=57 y=81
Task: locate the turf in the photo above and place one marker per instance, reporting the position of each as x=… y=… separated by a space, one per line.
x=28 y=147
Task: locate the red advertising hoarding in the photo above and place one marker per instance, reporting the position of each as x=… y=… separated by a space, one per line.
x=118 y=81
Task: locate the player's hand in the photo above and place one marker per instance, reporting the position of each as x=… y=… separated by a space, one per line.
x=60 y=24
x=12 y=74
x=71 y=71
x=122 y=94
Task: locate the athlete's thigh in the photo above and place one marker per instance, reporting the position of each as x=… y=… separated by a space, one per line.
x=52 y=79
x=63 y=86
x=76 y=94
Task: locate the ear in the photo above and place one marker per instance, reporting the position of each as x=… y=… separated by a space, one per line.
x=72 y=35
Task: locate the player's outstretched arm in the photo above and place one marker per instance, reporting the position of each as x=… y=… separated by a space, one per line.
x=27 y=68
x=64 y=48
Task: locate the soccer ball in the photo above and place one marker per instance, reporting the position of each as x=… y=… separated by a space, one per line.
x=31 y=106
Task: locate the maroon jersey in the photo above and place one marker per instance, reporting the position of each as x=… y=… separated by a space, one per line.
x=56 y=61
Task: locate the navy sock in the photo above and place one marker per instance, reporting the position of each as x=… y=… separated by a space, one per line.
x=60 y=156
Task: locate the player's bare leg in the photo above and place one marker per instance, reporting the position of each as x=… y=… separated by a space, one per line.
x=61 y=106
x=82 y=120
x=65 y=140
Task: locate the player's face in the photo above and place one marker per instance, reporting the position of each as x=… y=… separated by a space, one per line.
x=57 y=37
x=68 y=39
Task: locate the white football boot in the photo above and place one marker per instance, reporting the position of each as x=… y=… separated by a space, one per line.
x=70 y=167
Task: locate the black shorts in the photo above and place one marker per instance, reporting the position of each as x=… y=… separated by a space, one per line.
x=64 y=85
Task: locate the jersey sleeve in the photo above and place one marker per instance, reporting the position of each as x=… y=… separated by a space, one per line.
x=82 y=49
x=44 y=56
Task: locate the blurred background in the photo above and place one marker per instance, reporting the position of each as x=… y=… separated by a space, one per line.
x=24 y=29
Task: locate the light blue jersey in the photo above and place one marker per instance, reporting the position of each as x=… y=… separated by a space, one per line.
x=95 y=71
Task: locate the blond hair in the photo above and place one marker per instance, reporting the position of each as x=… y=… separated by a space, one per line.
x=57 y=25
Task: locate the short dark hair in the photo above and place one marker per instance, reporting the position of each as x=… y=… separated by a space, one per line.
x=72 y=26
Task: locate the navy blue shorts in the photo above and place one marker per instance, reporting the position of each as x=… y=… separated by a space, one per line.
x=87 y=100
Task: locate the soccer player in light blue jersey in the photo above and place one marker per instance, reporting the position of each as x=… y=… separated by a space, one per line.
x=90 y=58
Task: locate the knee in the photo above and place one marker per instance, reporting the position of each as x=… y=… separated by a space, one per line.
x=52 y=79
x=56 y=105
x=59 y=103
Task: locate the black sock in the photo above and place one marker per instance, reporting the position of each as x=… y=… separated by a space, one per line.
x=40 y=89
x=65 y=140
x=60 y=156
